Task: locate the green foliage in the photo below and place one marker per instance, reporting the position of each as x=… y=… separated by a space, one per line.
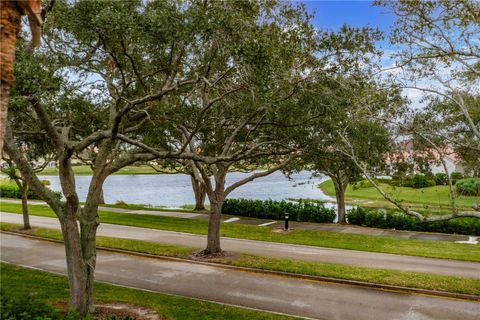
x=455 y=176
x=12 y=191
x=269 y=209
x=362 y=184
x=26 y=307
x=416 y=181
x=468 y=187
x=441 y=179
x=392 y=219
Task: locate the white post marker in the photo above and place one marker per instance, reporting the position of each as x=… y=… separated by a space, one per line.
x=471 y=240
x=267 y=224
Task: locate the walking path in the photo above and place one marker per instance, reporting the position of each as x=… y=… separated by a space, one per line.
x=276 y=250
x=298 y=297
x=349 y=229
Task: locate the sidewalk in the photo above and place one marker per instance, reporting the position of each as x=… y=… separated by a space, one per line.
x=276 y=250
x=349 y=229
x=298 y=297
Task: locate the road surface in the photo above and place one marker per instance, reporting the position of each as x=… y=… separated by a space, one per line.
x=298 y=297
x=276 y=250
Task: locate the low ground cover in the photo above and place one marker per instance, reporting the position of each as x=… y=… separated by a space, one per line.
x=425 y=248
x=381 y=276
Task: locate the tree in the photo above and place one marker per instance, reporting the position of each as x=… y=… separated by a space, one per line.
x=241 y=117
x=438 y=55
x=10 y=18
x=93 y=47
x=344 y=100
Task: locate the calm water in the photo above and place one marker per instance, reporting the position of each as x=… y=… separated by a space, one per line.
x=174 y=190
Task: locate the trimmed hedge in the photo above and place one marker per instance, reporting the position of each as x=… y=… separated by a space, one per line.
x=11 y=191
x=468 y=187
x=416 y=181
x=390 y=219
x=276 y=210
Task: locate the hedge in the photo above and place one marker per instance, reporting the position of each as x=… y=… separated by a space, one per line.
x=11 y=191
x=468 y=187
x=390 y=219
x=276 y=210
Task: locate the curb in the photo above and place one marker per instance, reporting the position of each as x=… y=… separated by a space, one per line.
x=357 y=283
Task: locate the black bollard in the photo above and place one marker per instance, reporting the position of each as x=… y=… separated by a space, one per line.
x=286 y=221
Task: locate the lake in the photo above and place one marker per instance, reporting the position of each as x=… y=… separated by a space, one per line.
x=174 y=190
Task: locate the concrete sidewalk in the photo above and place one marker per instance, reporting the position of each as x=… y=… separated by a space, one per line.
x=348 y=229
x=297 y=297
x=276 y=250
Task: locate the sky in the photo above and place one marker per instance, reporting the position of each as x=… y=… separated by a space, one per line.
x=333 y=14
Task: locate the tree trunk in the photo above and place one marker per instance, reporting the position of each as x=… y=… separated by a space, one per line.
x=213 y=238
x=340 y=196
x=26 y=218
x=200 y=193
x=101 y=198
x=80 y=273
x=10 y=26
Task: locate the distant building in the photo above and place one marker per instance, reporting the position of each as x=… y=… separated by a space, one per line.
x=417 y=159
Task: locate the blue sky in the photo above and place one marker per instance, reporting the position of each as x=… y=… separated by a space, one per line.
x=333 y=14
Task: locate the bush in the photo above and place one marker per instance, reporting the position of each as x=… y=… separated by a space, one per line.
x=26 y=308
x=391 y=219
x=455 y=176
x=468 y=187
x=276 y=210
x=441 y=179
x=11 y=191
x=416 y=181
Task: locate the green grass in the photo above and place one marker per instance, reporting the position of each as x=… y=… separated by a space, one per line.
x=425 y=199
x=54 y=289
x=381 y=276
x=414 y=247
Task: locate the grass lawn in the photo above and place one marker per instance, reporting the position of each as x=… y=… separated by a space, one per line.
x=425 y=248
x=434 y=198
x=54 y=289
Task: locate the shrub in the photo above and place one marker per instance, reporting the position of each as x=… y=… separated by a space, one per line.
x=12 y=191
x=362 y=184
x=26 y=308
x=392 y=219
x=441 y=179
x=455 y=176
x=269 y=209
x=416 y=181
x=468 y=187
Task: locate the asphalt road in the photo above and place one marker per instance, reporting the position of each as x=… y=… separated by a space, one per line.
x=298 y=297
x=276 y=250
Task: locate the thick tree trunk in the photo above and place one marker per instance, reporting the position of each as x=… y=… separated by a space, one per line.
x=26 y=218
x=10 y=26
x=101 y=198
x=200 y=193
x=340 y=196
x=213 y=238
x=81 y=259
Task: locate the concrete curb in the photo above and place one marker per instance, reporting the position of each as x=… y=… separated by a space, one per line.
x=372 y=285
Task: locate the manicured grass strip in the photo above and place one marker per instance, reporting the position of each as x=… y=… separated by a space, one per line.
x=424 y=248
x=434 y=198
x=380 y=276
x=54 y=289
